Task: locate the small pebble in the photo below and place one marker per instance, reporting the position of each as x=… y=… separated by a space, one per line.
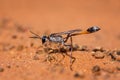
x=82 y=48
x=78 y=75
x=8 y=47
x=98 y=49
x=118 y=52
x=118 y=68
x=35 y=57
x=39 y=52
x=115 y=55
x=98 y=55
x=1 y=69
x=96 y=68
x=8 y=66
x=111 y=55
x=31 y=44
x=14 y=36
x=20 y=47
x=75 y=47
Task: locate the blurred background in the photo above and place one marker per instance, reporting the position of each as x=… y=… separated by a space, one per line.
x=62 y=15
x=22 y=58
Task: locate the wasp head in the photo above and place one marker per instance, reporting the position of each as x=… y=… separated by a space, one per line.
x=44 y=39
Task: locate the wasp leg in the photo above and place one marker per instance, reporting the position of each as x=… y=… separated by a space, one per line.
x=49 y=56
x=71 y=62
x=66 y=38
x=72 y=59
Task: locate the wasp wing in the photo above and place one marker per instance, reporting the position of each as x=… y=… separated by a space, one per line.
x=67 y=32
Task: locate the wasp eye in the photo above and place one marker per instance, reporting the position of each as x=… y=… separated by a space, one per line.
x=44 y=38
x=93 y=29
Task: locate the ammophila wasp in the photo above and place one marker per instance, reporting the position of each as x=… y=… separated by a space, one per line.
x=58 y=38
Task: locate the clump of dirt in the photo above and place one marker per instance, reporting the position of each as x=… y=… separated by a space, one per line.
x=1 y=69
x=79 y=75
x=98 y=55
x=96 y=68
x=98 y=49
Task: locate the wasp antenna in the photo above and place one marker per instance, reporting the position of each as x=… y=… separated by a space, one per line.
x=36 y=35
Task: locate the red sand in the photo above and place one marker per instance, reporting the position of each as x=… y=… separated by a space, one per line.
x=16 y=55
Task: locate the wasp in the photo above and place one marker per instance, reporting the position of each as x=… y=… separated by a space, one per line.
x=62 y=40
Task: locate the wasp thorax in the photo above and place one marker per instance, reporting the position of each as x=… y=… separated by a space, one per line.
x=93 y=29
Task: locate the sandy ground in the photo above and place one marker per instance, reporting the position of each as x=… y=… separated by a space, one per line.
x=22 y=58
